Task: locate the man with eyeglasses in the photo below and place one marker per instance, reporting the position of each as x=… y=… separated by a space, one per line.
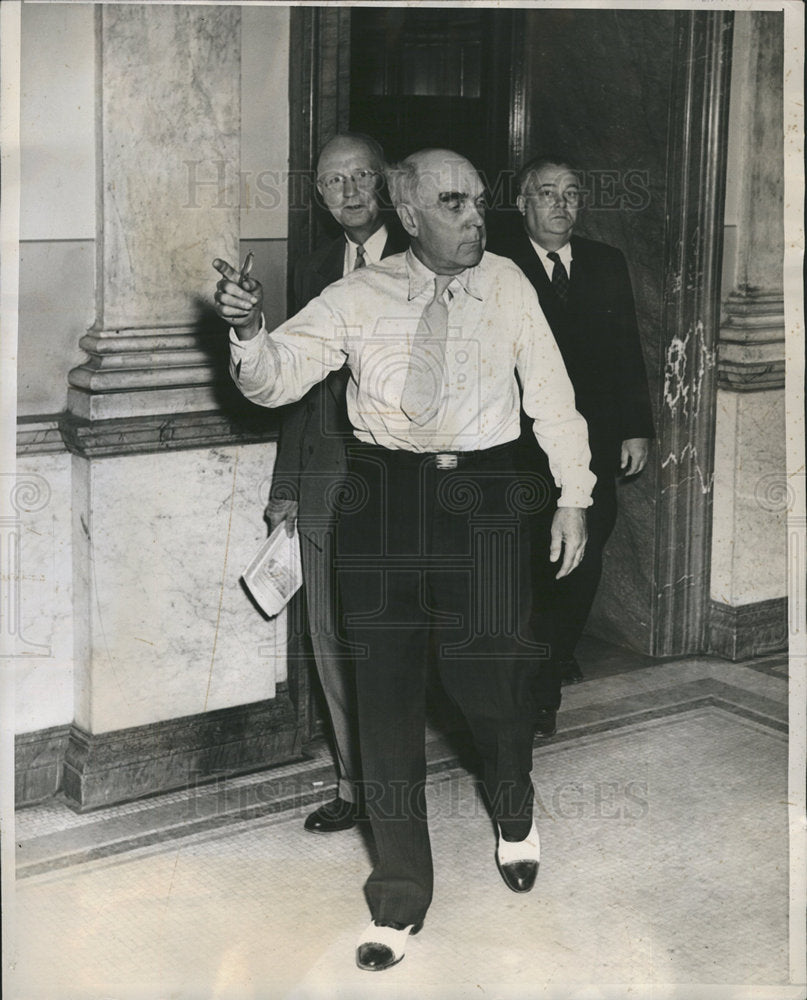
x=585 y=291
x=431 y=558
x=311 y=460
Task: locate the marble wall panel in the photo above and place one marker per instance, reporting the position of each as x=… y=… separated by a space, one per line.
x=172 y=633
x=57 y=280
x=43 y=630
x=599 y=93
x=749 y=539
x=761 y=232
x=264 y=121
x=169 y=148
x=270 y=270
x=57 y=121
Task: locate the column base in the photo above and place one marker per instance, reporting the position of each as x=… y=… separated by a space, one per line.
x=38 y=759
x=171 y=400
x=748 y=630
x=109 y=768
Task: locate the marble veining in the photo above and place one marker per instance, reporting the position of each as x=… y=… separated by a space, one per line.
x=170 y=92
x=571 y=57
x=41 y=599
x=172 y=632
x=749 y=537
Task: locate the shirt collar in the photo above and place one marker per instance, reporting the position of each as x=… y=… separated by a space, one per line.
x=421 y=277
x=373 y=248
x=565 y=254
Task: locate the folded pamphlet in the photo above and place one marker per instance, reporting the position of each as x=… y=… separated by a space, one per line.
x=276 y=572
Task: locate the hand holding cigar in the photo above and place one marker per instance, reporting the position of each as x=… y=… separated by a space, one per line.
x=246 y=268
x=239 y=298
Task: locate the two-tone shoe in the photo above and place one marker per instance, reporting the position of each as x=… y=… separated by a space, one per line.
x=518 y=861
x=383 y=945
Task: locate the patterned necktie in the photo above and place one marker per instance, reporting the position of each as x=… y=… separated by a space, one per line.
x=360 y=261
x=423 y=388
x=560 y=279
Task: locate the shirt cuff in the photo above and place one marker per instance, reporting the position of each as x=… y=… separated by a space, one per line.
x=578 y=494
x=574 y=500
x=240 y=347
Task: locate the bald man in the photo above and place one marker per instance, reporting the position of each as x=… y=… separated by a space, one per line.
x=436 y=341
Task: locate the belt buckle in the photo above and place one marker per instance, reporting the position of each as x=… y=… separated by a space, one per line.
x=446 y=460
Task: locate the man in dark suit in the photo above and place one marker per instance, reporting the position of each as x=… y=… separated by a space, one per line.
x=311 y=460
x=585 y=292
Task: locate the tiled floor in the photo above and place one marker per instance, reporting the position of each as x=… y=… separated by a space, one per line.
x=662 y=806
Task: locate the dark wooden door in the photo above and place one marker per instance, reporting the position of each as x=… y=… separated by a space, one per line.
x=428 y=78
x=434 y=77
x=410 y=77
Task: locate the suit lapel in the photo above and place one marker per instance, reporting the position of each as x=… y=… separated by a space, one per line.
x=531 y=265
x=397 y=240
x=578 y=267
x=329 y=268
x=333 y=263
x=580 y=281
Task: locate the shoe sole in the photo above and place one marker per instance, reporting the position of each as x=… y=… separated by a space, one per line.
x=336 y=829
x=520 y=892
x=379 y=968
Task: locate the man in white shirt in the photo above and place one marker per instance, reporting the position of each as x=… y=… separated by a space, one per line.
x=311 y=459
x=436 y=341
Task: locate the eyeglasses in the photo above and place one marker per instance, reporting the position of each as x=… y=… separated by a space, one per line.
x=363 y=179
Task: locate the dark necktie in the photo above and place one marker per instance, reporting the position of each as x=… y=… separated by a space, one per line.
x=423 y=388
x=560 y=279
x=360 y=261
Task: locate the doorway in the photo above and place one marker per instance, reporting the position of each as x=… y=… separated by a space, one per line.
x=619 y=90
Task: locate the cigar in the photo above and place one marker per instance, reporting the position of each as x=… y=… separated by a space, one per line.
x=246 y=268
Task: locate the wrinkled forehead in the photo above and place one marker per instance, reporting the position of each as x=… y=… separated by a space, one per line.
x=438 y=177
x=344 y=156
x=558 y=175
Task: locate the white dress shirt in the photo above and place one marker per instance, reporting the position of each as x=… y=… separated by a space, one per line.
x=565 y=254
x=373 y=250
x=495 y=329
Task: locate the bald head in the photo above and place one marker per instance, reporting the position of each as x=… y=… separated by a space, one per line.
x=439 y=198
x=414 y=180
x=349 y=174
x=351 y=144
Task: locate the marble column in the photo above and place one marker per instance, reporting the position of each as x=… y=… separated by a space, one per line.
x=748 y=613
x=168 y=134
x=177 y=677
x=752 y=334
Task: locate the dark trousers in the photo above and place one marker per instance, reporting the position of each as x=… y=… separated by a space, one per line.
x=435 y=561
x=562 y=606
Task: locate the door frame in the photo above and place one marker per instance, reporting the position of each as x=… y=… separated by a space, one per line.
x=696 y=174
x=696 y=185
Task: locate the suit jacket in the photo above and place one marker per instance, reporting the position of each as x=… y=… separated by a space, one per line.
x=598 y=336
x=311 y=456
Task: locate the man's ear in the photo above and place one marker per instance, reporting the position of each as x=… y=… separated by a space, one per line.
x=408 y=220
x=521 y=204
